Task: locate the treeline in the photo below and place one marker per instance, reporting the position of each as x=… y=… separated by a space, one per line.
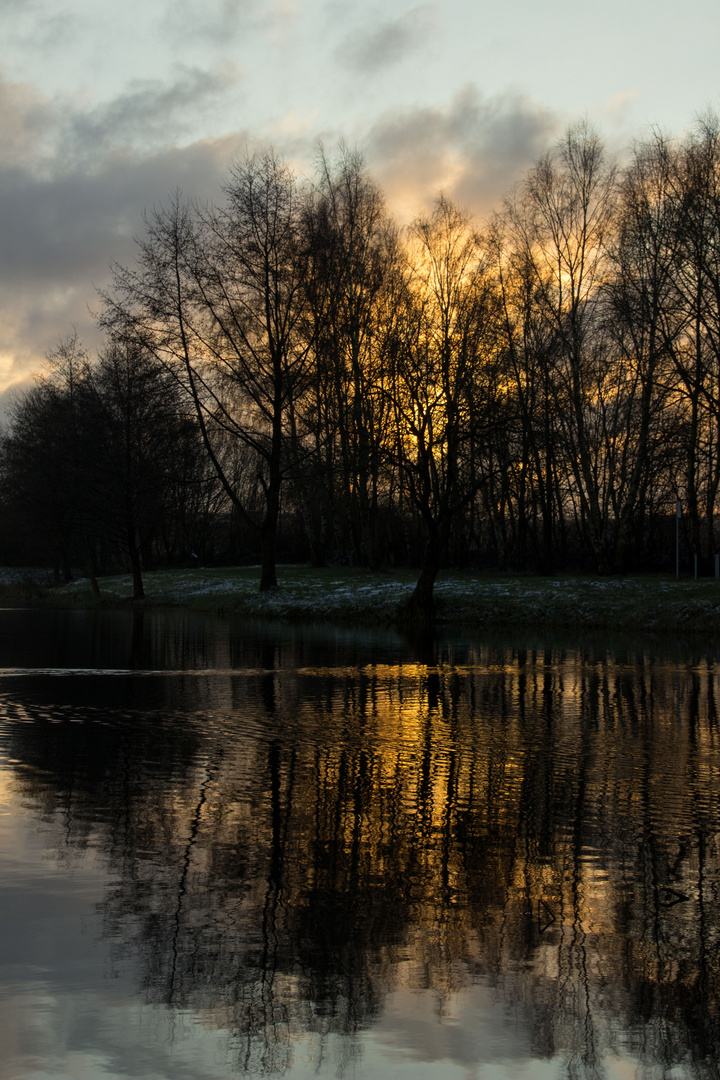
x=290 y=372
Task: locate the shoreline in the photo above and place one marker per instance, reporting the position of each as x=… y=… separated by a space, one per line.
x=343 y=595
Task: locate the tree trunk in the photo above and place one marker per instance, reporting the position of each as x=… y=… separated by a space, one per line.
x=417 y=613
x=268 y=574
x=134 y=553
x=91 y=570
x=268 y=534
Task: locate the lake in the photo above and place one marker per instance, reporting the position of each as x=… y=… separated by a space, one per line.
x=243 y=849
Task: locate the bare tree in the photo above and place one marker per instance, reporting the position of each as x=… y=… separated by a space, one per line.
x=354 y=249
x=563 y=215
x=44 y=457
x=443 y=379
x=133 y=430
x=533 y=444
x=217 y=295
x=696 y=348
x=644 y=321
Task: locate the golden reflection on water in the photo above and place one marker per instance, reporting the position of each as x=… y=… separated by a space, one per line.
x=307 y=841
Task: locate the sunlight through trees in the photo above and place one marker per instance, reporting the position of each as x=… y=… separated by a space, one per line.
x=290 y=375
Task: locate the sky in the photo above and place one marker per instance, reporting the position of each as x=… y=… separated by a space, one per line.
x=107 y=108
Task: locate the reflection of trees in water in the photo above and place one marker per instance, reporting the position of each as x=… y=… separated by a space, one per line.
x=541 y=822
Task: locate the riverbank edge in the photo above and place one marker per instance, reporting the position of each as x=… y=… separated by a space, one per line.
x=345 y=595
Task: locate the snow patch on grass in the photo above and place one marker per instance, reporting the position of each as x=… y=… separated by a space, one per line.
x=360 y=596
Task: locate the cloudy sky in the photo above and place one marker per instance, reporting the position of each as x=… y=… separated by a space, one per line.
x=105 y=108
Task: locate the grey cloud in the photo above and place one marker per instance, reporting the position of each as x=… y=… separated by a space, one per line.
x=221 y=23
x=57 y=135
x=36 y=26
x=26 y=119
x=217 y=22
x=66 y=216
x=474 y=150
x=71 y=225
x=61 y=232
x=387 y=43
x=73 y=187
x=150 y=110
x=55 y=31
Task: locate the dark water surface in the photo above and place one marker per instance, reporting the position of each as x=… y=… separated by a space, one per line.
x=235 y=849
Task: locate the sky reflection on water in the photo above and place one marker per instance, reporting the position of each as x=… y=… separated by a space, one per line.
x=319 y=853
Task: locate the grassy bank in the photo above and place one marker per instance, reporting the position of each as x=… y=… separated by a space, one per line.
x=642 y=604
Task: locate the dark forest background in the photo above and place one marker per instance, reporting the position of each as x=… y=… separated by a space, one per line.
x=290 y=376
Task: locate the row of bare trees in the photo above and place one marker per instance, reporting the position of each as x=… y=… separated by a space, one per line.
x=534 y=395
x=104 y=464
x=611 y=287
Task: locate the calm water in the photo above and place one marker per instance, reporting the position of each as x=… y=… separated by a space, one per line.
x=243 y=850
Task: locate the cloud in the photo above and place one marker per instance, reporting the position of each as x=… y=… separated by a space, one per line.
x=217 y=22
x=34 y=24
x=74 y=182
x=73 y=187
x=61 y=234
x=222 y=23
x=617 y=114
x=57 y=134
x=150 y=111
x=386 y=44
x=26 y=119
x=73 y=223
x=474 y=149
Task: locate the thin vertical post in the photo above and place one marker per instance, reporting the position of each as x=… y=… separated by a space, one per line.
x=678 y=512
x=717 y=567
